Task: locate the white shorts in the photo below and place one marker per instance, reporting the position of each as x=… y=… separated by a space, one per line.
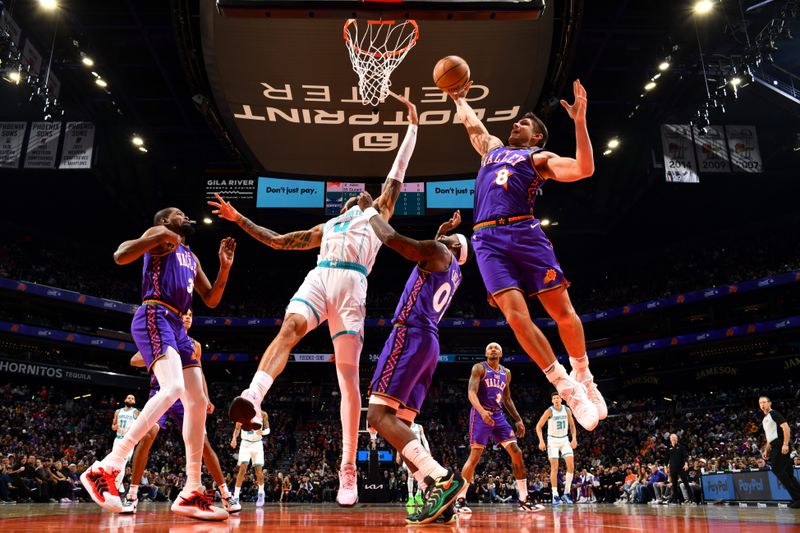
x=251 y=452
x=337 y=295
x=558 y=448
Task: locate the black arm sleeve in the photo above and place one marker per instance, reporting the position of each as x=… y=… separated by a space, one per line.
x=777 y=417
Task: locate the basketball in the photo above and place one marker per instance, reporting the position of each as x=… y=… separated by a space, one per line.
x=450 y=73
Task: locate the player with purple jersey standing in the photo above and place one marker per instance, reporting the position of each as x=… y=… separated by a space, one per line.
x=406 y=364
x=489 y=390
x=170 y=275
x=515 y=257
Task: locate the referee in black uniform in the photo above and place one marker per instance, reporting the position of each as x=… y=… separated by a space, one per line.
x=776 y=451
x=678 y=467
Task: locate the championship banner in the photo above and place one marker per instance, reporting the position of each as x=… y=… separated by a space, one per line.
x=8 y=25
x=42 y=145
x=711 y=149
x=743 y=147
x=63 y=373
x=31 y=57
x=78 y=145
x=11 y=137
x=679 y=162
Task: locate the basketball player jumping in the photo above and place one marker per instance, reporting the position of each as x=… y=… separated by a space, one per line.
x=251 y=451
x=514 y=255
x=175 y=413
x=334 y=291
x=559 y=425
x=171 y=273
x=489 y=390
x=406 y=364
x=123 y=420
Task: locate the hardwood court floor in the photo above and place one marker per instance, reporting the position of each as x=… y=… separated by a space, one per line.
x=294 y=518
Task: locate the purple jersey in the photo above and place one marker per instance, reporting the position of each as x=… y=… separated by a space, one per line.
x=506 y=184
x=492 y=387
x=169 y=278
x=427 y=296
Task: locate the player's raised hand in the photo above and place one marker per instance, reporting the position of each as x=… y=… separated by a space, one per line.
x=451 y=224
x=227 y=247
x=224 y=209
x=520 y=425
x=461 y=92
x=577 y=111
x=365 y=201
x=412 y=109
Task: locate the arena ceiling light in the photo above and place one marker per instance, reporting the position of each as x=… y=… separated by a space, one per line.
x=86 y=60
x=49 y=5
x=735 y=81
x=101 y=83
x=12 y=76
x=664 y=65
x=545 y=222
x=703 y=7
x=143 y=149
x=608 y=152
x=137 y=141
x=650 y=86
x=613 y=143
x=207 y=220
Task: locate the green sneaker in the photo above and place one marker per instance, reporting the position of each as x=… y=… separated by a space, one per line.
x=410 y=502
x=419 y=500
x=441 y=493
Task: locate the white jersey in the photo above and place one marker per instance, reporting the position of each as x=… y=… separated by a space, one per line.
x=557 y=424
x=125 y=418
x=349 y=238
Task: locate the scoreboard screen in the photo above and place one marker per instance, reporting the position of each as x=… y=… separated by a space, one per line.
x=337 y=193
x=411 y=202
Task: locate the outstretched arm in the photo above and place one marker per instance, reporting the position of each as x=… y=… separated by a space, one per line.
x=296 y=240
x=512 y=409
x=479 y=136
x=394 y=180
x=568 y=169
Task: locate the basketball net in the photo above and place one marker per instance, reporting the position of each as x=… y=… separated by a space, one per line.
x=376 y=48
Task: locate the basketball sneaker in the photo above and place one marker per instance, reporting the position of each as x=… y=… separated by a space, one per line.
x=574 y=394
x=461 y=506
x=527 y=507
x=101 y=486
x=441 y=493
x=566 y=499
x=245 y=409
x=556 y=501
x=260 y=500
x=587 y=380
x=129 y=506
x=348 y=486
x=447 y=517
x=419 y=500
x=197 y=505
x=231 y=504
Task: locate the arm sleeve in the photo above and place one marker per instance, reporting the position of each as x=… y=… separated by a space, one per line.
x=398 y=171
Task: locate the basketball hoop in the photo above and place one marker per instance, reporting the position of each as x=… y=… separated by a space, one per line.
x=376 y=48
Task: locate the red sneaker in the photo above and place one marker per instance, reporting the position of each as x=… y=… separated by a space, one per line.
x=101 y=486
x=197 y=505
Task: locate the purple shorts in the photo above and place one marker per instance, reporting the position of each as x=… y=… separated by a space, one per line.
x=479 y=432
x=406 y=365
x=175 y=413
x=154 y=328
x=517 y=256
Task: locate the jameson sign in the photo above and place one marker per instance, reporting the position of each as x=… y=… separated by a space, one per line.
x=63 y=373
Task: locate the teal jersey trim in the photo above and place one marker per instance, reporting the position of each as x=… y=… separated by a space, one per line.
x=316 y=315
x=345 y=332
x=344 y=265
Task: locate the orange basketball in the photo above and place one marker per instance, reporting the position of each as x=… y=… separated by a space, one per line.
x=450 y=73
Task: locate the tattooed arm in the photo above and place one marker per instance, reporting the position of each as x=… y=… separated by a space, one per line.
x=296 y=240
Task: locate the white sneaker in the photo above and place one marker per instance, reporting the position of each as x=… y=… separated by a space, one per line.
x=574 y=394
x=100 y=484
x=129 y=506
x=348 y=486
x=592 y=392
x=260 y=500
x=197 y=505
x=231 y=504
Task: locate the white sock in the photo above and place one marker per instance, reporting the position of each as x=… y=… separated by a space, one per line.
x=555 y=372
x=567 y=483
x=420 y=480
x=261 y=384
x=555 y=492
x=170 y=376
x=522 y=488
x=579 y=363
x=223 y=490
x=410 y=484
x=236 y=492
x=416 y=453
x=261 y=489
x=347 y=348
x=133 y=492
x=194 y=423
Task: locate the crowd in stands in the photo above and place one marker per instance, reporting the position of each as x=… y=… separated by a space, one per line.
x=47 y=438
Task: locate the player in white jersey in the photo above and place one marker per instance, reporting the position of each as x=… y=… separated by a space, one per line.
x=560 y=425
x=123 y=420
x=335 y=291
x=251 y=451
x=414 y=497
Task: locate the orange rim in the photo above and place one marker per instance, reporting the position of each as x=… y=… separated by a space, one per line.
x=393 y=53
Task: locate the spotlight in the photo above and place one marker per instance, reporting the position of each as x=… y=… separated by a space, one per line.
x=703 y=7
x=613 y=143
x=608 y=152
x=101 y=82
x=650 y=86
x=207 y=220
x=143 y=149
x=735 y=81
x=48 y=4
x=654 y=78
x=13 y=76
x=86 y=60
x=545 y=222
x=664 y=65
x=137 y=141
